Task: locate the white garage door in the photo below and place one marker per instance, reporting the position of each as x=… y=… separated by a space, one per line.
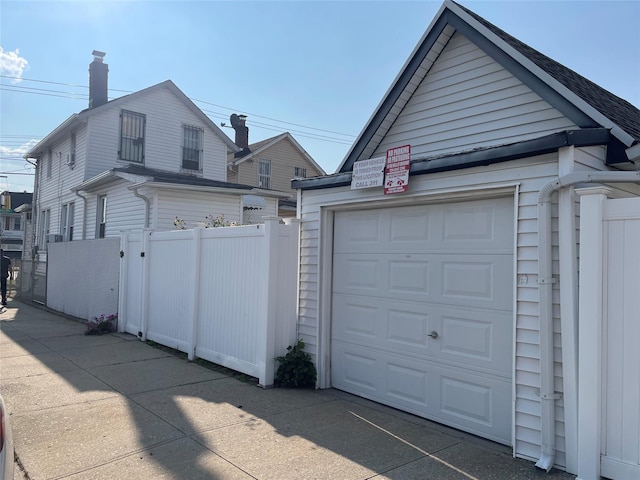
x=422 y=311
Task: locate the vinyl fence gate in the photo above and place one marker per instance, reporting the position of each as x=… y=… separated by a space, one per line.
x=609 y=337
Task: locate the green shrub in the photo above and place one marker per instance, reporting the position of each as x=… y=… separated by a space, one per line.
x=296 y=368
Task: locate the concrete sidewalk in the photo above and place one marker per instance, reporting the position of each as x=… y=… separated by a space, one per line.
x=112 y=407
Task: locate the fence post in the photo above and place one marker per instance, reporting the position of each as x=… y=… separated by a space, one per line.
x=266 y=338
x=122 y=292
x=590 y=333
x=144 y=291
x=193 y=337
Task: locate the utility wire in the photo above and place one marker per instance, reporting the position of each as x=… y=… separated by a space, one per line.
x=80 y=96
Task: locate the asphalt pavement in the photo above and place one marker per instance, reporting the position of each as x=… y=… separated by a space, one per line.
x=113 y=407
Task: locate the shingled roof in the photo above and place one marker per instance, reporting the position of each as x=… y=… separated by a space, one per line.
x=613 y=107
x=583 y=102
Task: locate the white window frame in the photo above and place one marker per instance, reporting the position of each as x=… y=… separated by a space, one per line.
x=264 y=174
x=299 y=172
x=101 y=216
x=67 y=214
x=192 y=148
x=132 y=135
x=44 y=228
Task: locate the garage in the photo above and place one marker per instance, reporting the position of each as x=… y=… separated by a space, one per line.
x=422 y=311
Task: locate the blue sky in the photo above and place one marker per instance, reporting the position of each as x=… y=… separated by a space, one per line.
x=315 y=69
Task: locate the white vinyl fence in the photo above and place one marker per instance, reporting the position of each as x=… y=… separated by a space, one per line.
x=609 y=368
x=82 y=277
x=227 y=294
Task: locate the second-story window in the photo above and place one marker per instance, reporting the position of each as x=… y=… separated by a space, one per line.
x=264 y=173
x=131 y=136
x=299 y=172
x=192 y=138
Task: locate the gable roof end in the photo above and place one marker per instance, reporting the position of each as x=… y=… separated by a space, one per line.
x=78 y=118
x=582 y=101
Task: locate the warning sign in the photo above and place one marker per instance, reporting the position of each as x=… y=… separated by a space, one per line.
x=368 y=173
x=396 y=179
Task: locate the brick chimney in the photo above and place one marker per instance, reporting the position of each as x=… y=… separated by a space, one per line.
x=98 y=79
x=238 y=122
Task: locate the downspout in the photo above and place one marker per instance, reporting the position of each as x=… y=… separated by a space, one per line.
x=147 y=203
x=545 y=292
x=84 y=214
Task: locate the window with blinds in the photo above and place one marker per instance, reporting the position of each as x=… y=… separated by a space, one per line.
x=131 y=136
x=264 y=173
x=192 y=147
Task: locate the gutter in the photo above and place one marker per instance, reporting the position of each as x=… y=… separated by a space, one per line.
x=84 y=213
x=545 y=292
x=147 y=202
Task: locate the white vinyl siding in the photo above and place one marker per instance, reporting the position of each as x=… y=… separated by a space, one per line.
x=532 y=173
x=193 y=207
x=467 y=100
x=165 y=116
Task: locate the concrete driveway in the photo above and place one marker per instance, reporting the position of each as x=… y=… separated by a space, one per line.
x=112 y=407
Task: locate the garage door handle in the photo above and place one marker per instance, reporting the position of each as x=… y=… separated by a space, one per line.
x=432 y=334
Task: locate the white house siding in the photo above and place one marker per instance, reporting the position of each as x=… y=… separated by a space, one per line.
x=467 y=100
x=530 y=174
x=124 y=211
x=54 y=191
x=165 y=115
x=193 y=207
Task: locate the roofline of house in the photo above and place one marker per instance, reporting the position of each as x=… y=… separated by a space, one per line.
x=272 y=141
x=212 y=189
x=571 y=105
x=38 y=150
x=478 y=157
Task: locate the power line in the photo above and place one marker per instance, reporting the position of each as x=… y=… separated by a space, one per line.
x=81 y=96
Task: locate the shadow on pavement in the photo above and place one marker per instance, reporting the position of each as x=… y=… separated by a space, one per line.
x=110 y=406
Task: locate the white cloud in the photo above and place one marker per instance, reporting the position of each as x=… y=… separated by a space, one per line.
x=12 y=64
x=16 y=153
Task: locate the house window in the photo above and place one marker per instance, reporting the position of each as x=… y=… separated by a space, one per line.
x=17 y=225
x=44 y=228
x=102 y=216
x=299 y=172
x=264 y=174
x=66 y=221
x=191 y=147
x=131 y=136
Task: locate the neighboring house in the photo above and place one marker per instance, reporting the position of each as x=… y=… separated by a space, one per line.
x=13 y=222
x=270 y=164
x=135 y=162
x=455 y=300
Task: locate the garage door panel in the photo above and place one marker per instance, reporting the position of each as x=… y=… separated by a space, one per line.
x=476 y=403
x=422 y=311
x=378 y=323
x=470 y=280
x=466 y=226
x=478 y=340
